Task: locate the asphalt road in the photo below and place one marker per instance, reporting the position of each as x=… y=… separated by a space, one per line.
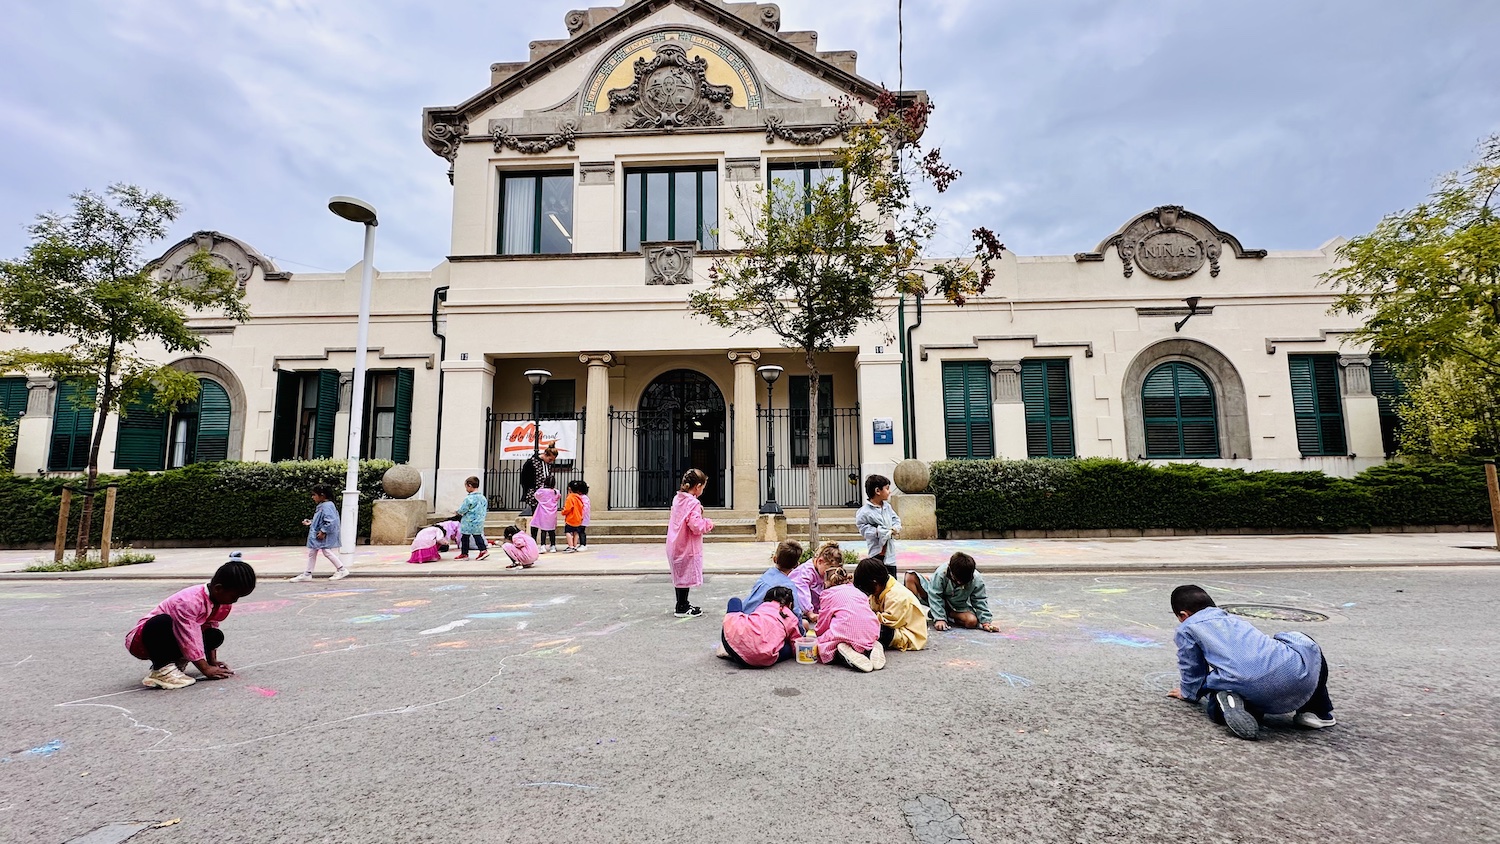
x=579 y=709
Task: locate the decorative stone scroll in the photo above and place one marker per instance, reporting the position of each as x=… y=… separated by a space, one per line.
x=1356 y=375
x=671 y=91
x=231 y=253
x=1007 y=374
x=566 y=135
x=777 y=128
x=669 y=262
x=447 y=136
x=1169 y=243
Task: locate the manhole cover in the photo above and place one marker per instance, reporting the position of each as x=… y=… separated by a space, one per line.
x=1268 y=612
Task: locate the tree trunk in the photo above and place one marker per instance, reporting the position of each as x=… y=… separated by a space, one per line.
x=86 y=520
x=813 y=421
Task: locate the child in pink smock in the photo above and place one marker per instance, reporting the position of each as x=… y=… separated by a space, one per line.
x=520 y=548
x=184 y=629
x=764 y=637
x=545 y=518
x=685 y=540
x=432 y=541
x=848 y=630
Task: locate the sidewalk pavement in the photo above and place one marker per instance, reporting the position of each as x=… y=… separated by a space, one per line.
x=994 y=556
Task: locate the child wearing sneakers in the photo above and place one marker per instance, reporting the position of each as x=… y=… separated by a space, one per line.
x=520 y=548
x=470 y=517
x=575 y=513
x=848 y=631
x=1241 y=674
x=323 y=535
x=761 y=637
x=544 y=521
x=685 y=540
x=184 y=628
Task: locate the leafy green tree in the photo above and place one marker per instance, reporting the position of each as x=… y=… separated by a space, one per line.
x=1427 y=283
x=817 y=263
x=84 y=280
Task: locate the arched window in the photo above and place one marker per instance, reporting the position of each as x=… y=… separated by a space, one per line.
x=1177 y=403
x=197 y=432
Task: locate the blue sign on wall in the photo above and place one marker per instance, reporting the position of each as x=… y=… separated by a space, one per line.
x=885 y=430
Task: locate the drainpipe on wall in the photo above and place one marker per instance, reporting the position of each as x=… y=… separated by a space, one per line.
x=909 y=397
x=905 y=411
x=438 y=295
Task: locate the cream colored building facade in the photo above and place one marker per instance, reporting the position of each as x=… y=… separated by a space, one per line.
x=592 y=186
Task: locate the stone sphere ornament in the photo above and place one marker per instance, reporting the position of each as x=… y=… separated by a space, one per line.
x=401 y=481
x=911 y=477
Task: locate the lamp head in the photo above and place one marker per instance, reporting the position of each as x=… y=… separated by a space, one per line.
x=1192 y=302
x=769 y=373
x=354 y=210
x=537 y=377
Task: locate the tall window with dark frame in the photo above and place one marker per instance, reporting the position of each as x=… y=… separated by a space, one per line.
x=385 y=433
x=800 y=418
x=536 y=213
x=1049 y=408
x=307 y=404
x=72 y=429
x=802 y=177
x=1318 y=407
x=1388 y=390
x=1179 y=414
x=968 y=426
x=675 y=203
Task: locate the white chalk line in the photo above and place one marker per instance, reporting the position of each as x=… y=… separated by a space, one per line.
x=22 y=662
x=562 y=785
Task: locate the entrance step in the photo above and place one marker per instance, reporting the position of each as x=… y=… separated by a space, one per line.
x=650 y=526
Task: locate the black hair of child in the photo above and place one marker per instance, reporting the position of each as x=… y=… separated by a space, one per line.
x=870 y=575
x=511 y=530
x=788 y=554
x=1190 y=599
x=874 y=484
x=236 y=576
x=323 y=491
x=781 y=595
x=961 y=568
x=549 y=482
x=578 y=486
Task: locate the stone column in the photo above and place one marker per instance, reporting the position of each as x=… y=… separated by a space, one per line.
x=1361 y=408
x=34 y=429
x=469 y=391
x=596 y=427
x=1008 y=412
x=879 y=398
x=743 y=443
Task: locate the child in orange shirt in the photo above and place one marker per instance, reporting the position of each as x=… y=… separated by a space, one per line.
x=575 y=513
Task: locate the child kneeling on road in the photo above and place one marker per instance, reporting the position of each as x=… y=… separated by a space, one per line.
x=185 y=628
x=954 y=595
x=1241 y=674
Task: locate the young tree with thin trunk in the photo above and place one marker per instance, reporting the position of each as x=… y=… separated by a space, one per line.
x=818 y=263
x=84 y=280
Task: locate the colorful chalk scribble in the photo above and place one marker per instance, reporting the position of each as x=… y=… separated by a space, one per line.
x=1125 y=640
x=1016 y=681
x=370 y=619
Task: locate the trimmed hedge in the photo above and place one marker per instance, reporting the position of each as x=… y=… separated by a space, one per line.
x=1100 y=494
x=208 y=503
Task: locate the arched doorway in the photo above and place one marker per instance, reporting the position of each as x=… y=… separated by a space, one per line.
x=681 y=426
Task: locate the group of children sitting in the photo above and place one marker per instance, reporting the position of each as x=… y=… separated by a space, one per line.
x=523 y=549
x=854 y=618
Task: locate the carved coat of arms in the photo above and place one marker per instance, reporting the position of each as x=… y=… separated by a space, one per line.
x=671 y=91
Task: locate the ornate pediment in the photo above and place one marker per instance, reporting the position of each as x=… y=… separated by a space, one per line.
x=670 y=91
x=231 y=253
x=1169 y=243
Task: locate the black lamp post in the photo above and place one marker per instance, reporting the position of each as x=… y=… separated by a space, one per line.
x=769 y=374
x=537 y=377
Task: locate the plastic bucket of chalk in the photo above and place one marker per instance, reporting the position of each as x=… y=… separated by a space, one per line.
x=807 y=650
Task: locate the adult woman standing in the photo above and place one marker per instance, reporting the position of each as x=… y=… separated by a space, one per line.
x=534 y=474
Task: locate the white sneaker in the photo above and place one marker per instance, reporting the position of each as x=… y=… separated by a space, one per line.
x=340 y=574
x=855 y=659
x=1311 y=721
x=877 y=657
x=301 y=578
x=167 y=677
x=554 y=549
x=541 y=549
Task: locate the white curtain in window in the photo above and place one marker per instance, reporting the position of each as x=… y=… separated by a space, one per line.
x=520 y=216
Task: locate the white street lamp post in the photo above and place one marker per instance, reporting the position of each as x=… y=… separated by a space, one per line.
x=357 y=211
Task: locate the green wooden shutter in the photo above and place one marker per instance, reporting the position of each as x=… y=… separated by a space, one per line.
x=288 y=406
x=1388 y=391
x=1317 y=405
x=212 y=442
x=1178 y=410
x=401 y=439
x=967 y=425
x=1049 y=408
x=328 y=408
x=12 y=408
x=72 y=430
x=141 y=436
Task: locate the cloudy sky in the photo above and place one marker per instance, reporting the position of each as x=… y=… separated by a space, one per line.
x=1286 y=122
